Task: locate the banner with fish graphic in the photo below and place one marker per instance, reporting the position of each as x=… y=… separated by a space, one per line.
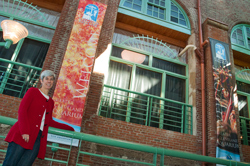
x=73 y=81
x=225 y=96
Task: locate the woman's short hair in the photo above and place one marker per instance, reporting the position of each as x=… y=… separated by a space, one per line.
x=47 y=73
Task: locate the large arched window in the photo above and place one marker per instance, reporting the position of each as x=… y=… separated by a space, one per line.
x=167 y=12
x=146 y=84
x=240 y=38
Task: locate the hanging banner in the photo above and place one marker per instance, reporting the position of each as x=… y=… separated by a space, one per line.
x=225 y=95
x=73 y=81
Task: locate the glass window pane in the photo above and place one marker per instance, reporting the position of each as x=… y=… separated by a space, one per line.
x=243 y=87
x=155 y=9
x=241 y=42
x=174 y=19
x=169 y=66
x=181 y=16
x=149 y=12
x=136 y=7
x=248 y=29
x=182 y=22
x=155 y=14
x=240 y=37
x=161 y=16
x=239 y=31
x=138 y=2
x=150 y=7
x=157 y=2
x=162 y=11
x=175 y=14
x=175 y=89
x=242 y=106
x=151 y=1
x=162 y=3
x=119 y=75
x=148 y=82
x=234 y=35
x=173 y=7
x=233 y=40
x=128 y=4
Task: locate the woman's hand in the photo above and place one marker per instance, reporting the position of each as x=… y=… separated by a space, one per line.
x=26 y=137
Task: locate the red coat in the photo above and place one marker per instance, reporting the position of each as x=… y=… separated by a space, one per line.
x=30 y=115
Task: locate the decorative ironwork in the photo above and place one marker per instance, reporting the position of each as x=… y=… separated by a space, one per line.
x=243 y=73
x=151 y=45
x=22 y=9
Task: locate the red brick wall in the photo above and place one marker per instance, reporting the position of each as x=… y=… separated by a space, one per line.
x=229 y=12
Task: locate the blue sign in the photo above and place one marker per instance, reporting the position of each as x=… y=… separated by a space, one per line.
x=220 y=51
x=91 y=12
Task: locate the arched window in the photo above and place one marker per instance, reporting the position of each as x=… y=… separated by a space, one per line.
x=240 y=38
x=146 y=84
x=167 y=11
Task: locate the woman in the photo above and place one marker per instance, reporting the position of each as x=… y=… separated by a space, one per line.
x=28 y=136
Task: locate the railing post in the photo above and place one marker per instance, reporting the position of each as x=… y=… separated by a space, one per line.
x=5 y=79
x=148 y=110
x=182 y=119
x=162 y=159
x=155 y=159
x=26 y=80
x=128 y=114
x=244 y=131
x=110 y=103
x=161 y=113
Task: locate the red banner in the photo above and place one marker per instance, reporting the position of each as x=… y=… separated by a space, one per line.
x=73 y=81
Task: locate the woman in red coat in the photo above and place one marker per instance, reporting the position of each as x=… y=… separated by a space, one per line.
x=28 y=136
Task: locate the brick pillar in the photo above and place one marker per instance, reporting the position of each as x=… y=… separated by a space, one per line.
x=219 y=31
x=90 y=119
x=58 y=45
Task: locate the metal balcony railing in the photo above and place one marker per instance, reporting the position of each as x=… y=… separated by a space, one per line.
x=154 y=152
x=245 y=130
x=145 y=109
x=16 y=78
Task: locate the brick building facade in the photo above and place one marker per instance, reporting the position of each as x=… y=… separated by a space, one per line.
x=218 y=19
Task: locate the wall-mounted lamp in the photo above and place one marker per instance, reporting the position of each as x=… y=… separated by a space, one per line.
x=133 y=56
x=12 y=32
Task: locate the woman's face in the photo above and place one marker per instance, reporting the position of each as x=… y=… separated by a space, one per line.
x=47 y=82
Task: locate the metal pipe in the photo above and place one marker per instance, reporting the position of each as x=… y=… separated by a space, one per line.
x=185 y=49
x=204 y=149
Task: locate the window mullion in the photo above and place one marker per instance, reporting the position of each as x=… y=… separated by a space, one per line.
x=244 y=33
x=144 y=7
x=248 y=105
x=168 y=10
x=162 y=102
x=150 y=63
x=187 y=84
x=131 y=87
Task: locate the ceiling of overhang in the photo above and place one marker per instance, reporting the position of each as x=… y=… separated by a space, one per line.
x=139 y=26
x=128 y=23
x=55 y=5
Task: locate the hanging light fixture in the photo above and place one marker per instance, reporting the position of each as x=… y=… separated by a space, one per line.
x=133 y=56
x=12 y=32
